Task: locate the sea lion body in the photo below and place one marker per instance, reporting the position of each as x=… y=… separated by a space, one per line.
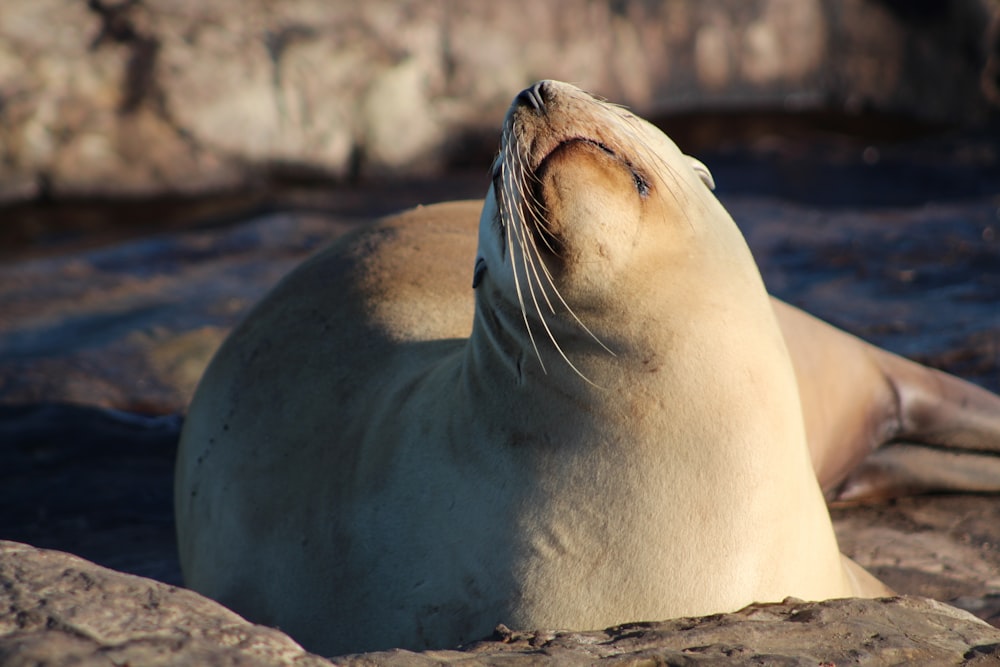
x=608 y=429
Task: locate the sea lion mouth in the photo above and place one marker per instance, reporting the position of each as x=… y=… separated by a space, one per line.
x=639 y=179
x=566 y=143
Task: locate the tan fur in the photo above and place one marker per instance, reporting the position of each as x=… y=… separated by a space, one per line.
x=359 y=470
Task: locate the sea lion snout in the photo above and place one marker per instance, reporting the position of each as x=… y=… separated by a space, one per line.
x=534 y=96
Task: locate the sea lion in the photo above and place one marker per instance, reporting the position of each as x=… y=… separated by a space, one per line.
x=619 y=438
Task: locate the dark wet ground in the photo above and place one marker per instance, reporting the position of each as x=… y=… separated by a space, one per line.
x=103 y=326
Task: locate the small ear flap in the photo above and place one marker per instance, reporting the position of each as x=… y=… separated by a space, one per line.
x=703 y=173
x=478 y=271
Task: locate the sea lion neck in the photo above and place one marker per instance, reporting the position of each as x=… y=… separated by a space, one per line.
x=517 y=347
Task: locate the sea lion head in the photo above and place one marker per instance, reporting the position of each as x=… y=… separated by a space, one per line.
x=585 y=197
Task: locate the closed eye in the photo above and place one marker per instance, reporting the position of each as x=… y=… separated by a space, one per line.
x=641 y=184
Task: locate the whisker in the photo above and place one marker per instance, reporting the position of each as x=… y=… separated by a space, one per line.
x=535 y=207
x=528 y=259
x=545 y=270
x=507 y=197
x=555 y=290
x=525 y=241
x=530 y=243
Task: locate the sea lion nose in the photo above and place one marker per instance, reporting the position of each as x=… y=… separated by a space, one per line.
x=533 y=97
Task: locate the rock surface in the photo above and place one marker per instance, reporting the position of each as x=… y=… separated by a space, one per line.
x=132 y=326
x=59 y=609
x=863 y=632
x=942 y=547
x=146 y=97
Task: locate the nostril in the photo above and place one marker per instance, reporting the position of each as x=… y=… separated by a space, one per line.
x=533 y=96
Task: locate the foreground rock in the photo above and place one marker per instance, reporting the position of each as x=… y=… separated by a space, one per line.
x=177 y=96
x=57 y=609
x=868 y=632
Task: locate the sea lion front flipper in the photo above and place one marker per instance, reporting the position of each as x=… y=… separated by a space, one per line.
x=856 y=398
x=906 y=469
x=863 y=583
x=948 y=437
x=939 y=409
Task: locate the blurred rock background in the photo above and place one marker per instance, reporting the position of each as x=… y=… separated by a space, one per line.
x=164 y=162
x=155 y=97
